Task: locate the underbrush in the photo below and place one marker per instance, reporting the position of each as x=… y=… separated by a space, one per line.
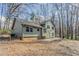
x=5 y=31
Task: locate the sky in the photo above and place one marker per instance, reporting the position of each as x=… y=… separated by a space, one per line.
x=31 y=8
x=38 y=9
x=2 y=7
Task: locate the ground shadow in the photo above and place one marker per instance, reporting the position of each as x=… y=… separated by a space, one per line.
x=17 y=41
x=40 y=41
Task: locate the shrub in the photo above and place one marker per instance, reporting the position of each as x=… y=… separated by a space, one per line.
x=5 y=31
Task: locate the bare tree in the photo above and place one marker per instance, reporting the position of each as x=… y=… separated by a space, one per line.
x=1 y=14
x=11 y=8
x=67 y=22
x=76 y=23
x=58 y=13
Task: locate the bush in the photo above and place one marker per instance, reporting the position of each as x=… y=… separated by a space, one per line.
x=5 y=31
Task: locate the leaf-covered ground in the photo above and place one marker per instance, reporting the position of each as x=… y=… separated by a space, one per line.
x=39 y=48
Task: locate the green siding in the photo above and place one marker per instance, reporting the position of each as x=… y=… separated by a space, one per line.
x=50 y=33
x=34 y=33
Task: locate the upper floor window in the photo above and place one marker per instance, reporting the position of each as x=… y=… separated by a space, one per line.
x=48 y=26
x=37 y=29
x=52 y=27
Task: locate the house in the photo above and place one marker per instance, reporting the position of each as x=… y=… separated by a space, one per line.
x=26 y=29
x=48 y=29
x=31 y=29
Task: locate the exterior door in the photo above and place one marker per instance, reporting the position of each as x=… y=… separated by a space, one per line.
x=40 y=32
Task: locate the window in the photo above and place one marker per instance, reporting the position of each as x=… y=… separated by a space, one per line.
x=38 y=29
x=44 y=30
x=27 y=29
x=43 y=25
x=48 y=26
x=31 y=29
x=52 y=27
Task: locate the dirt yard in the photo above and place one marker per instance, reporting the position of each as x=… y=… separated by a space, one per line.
x=39 y=48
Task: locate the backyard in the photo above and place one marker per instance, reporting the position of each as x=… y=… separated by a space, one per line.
x=29 y=47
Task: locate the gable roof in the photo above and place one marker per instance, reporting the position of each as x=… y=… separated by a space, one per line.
x=31 y=23
x=28 y=23
x=47 y=21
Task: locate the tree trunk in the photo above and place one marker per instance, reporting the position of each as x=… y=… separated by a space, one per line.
x=71 y=26
x=62 y=32
x=67 y=25
x=76 y=24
